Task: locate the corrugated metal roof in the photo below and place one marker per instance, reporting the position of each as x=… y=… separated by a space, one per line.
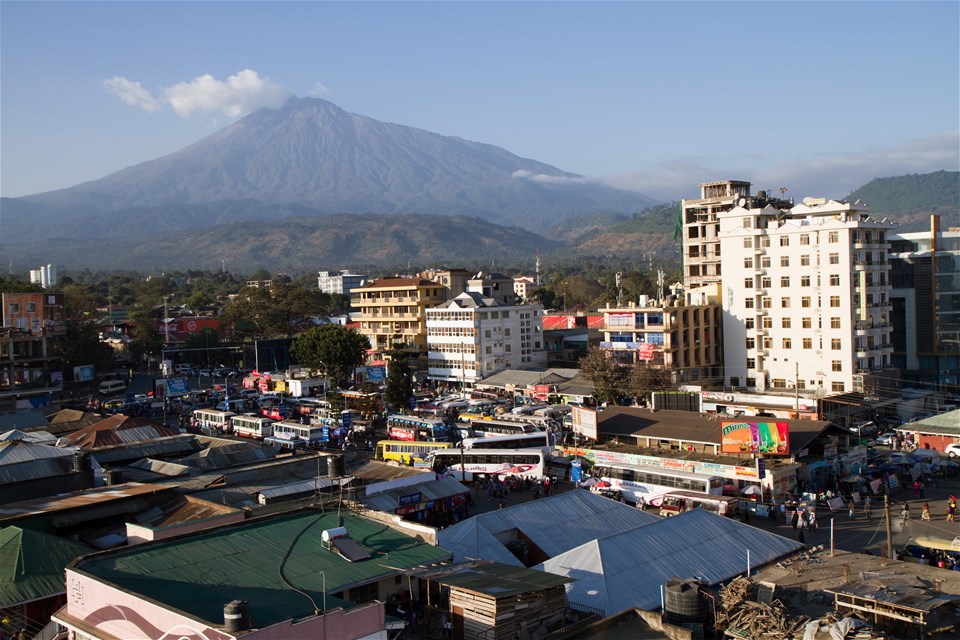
x=77 y=499
x=174 y=445
x=31 y=565
x=915 y=597
x=524 y=378
x=220 y=457
x=161 y=467
x=35 y=470
x=377 y=471
x=17 y=451
x=492 y=578
x=270 y=473
x=626 y=570
x=30 y=436
x=944 y=423
x=117 y=429
x=198 y=574
x=387 y=501
x=556 y=525
x=304 y=486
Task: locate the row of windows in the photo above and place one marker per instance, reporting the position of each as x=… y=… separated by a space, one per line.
x=463 y=332
x=30 y=307
x=766 y=282
x=833 y=237
x=436 y=363
x=453 y=348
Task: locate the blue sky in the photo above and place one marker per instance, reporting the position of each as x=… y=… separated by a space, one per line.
x=818 y=97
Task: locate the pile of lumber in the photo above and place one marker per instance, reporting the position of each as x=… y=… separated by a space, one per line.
x=767 y=621
x=737 y=591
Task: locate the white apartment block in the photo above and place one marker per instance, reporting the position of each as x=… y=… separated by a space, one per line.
x=472 y=337
x=342 y=283
x=806 y=296
x=524 y=287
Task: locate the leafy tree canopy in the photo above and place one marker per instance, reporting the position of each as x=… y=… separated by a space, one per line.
x=331 y=348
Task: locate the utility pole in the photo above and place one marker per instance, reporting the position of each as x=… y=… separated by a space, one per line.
x=796 y=386
x=886 y=515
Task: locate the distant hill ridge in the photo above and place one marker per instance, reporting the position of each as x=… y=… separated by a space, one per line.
x=312 y=158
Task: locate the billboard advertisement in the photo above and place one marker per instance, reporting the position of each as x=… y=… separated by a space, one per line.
x=585 y=422
x=83 y=373
x=755 y=437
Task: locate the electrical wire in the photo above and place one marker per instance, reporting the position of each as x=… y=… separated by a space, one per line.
x=286 y=556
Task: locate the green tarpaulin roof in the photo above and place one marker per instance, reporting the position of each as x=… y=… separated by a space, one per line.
x=200 y=574
x=32 y=564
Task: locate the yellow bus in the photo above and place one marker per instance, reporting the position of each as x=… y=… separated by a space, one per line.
x=406 y=451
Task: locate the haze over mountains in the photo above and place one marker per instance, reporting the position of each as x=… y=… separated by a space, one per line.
x=312 y=186
x=313 y=158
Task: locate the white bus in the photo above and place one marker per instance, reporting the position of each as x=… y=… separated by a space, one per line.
x=410 y=428
x=489 y=462
x=484 y=428
x=309 y=435
x=250 y=425
x=651 y=484
x=212 y=420
x=539 y=440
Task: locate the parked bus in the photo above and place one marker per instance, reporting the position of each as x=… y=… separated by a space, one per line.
x=484 y=428
x=676 y=502
x=411 y=428
x=406 y=452
x=309 y=435
x=250 y=425
x=931 y=549
x=212 y=420
x=488 y=462
x=651 y=484
x=539 y=440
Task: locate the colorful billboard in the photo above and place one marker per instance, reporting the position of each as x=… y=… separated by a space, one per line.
x=755 y=437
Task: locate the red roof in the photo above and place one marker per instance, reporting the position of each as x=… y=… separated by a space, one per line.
x=106 y=432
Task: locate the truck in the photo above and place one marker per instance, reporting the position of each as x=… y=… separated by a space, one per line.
x=305 y=387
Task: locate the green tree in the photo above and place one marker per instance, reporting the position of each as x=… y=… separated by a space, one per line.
x=646 y=379
x=399 y=387
x=146 y=337
x=332 y=348
x=608 y=375
x=281 y=310
x=81 y=346
x=206 y=339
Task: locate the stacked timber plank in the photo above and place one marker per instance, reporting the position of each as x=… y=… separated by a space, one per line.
x=519 y=616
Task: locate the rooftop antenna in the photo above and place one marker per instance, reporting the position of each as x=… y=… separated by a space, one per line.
x=538 y=268
x=660 y=276
x=619 y=281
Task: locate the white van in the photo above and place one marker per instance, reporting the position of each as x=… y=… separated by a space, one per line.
x=111 y=387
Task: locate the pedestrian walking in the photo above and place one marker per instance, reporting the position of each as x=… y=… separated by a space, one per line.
x=923 y=488
x=926 y=512
x=905 y=512
x=795 y=519
x=802 y=538
x=951 y=511
x=812 y=519
x=866 y=508
x=853 y=509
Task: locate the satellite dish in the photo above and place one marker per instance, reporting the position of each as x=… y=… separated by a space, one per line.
x=742 y=201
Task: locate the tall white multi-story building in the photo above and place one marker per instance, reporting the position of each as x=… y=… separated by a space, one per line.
x=474 y=336
x=45 y=276
x=806 y=296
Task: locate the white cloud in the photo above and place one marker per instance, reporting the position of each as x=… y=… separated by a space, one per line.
x=829 y=174
x=234 y=97
x=131 y=93
x=319 y=89
x=239 y=95
x=542 y=177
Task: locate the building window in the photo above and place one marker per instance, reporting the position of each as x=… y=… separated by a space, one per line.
x=779 y=383
x=834 y=323
x=833 y=236
x=767 y=303
x=784 y=303
x=804 y=281
x=804 y=238
x=836 y=366
x=748 y=303
x=807 y=323
x=768 y=323
x=785 y=323
x=765 y=262
x=766 y=282
x=835 y=280
x=784 y=261
x=751 y=363
x=787 y=343
x=837 y=387
x=784 y=281
x=805 y=302
x=748 y=263
x=808 y=343
x=748 y=283
x=748 y=323
x=748 y=243
x=835 y=302
x=836 y=344
x=14 y=307
x=768 y=343
x=31 y=307
x=805 y=260
x=751 y=343
x=747 y=223
x=784 y=241
x=834 y=258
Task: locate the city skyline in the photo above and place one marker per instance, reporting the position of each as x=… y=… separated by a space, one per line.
x=655 y=97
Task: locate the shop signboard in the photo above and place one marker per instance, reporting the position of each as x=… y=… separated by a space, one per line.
x=585 y=422
x=410 y=498
x=576 y=471
x=771 y=438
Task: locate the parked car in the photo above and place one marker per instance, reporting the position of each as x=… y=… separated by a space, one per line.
x=205 y=373
x=887 y=438
x=953 y=450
